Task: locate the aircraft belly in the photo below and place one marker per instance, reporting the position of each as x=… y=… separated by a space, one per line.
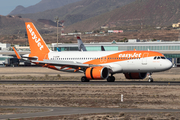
x=129 y=66
x=136 y=66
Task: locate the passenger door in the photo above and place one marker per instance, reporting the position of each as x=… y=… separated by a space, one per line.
x=144 y=59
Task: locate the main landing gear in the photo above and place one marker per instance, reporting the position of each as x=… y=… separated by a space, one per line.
x=84 y=79
x=111 y=78
x=150 y=79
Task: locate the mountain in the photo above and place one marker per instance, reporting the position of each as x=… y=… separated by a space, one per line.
x=87 y=15
x=15 y=24
x=138 y=13
x=71 y=13
x=79 y=11
x=43 y=5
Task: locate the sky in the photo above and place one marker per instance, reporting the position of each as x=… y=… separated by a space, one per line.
x=6 y=6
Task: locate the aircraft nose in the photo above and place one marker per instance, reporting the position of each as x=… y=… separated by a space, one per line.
x=168 y=65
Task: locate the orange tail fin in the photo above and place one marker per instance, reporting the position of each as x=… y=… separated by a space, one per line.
x=17 y=54
x=37 y=45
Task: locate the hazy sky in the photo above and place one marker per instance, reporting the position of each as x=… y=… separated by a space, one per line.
x=6 y=6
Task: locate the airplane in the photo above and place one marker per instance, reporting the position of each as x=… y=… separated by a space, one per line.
x=102 y=48
x=98 y=65
x=58 y=49
x=81 y=46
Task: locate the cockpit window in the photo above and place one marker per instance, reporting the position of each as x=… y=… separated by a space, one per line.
x=159 y=57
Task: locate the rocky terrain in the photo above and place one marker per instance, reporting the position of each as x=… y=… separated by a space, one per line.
x=166 y=35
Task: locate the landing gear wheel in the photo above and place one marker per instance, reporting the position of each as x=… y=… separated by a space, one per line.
x=150 y=80
x=84 y=79
x=111 y=79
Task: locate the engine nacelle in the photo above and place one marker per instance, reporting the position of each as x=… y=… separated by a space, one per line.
x=135 y=75
x=97 y=73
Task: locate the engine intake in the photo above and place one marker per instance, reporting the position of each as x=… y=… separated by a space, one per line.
x=97 y=73
x=135 y=75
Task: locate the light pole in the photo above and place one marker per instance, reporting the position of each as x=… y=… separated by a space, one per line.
x=57 y=20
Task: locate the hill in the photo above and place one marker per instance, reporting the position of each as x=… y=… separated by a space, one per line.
x=87 y=15
x=43 y=5
x=16 y=25
x=139 y=13
x=79 y=11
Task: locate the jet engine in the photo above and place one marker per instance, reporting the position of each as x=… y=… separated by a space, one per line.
x=135 y=75
x=97 y=73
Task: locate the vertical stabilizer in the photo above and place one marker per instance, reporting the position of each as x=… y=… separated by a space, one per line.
x=81 y=46
x=102 y=48
x=37 y=45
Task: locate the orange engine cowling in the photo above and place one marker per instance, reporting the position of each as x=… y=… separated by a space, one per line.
x=135 y=75
x=97 y=73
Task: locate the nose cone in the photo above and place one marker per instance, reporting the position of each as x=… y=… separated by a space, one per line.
x=168 y=65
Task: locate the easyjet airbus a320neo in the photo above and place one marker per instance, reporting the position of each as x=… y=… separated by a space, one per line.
x=95 y=65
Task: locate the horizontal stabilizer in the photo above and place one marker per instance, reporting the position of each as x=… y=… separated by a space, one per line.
x=17 y=54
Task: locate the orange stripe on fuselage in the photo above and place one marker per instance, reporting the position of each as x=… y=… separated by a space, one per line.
x=123 y=56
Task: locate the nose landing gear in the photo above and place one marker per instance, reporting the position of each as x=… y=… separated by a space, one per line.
x=150 y=79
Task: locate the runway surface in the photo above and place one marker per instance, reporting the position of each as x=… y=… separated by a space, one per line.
x=94 y=82
x=57 y=111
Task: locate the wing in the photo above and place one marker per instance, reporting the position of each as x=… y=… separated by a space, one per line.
x=61 y=63
x=64 y=64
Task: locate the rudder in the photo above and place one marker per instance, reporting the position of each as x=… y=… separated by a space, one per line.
x=37 y=45
x=81 y=46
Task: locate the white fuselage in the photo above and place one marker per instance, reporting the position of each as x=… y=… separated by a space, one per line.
x=118 y=63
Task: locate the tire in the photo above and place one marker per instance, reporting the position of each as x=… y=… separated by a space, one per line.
x=150 y=80
x=84 y=79
x=111 y=79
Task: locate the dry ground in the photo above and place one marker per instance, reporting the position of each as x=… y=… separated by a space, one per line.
x=106 y=96
x=9 y=111
x=115 y=116
x=40 y=73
